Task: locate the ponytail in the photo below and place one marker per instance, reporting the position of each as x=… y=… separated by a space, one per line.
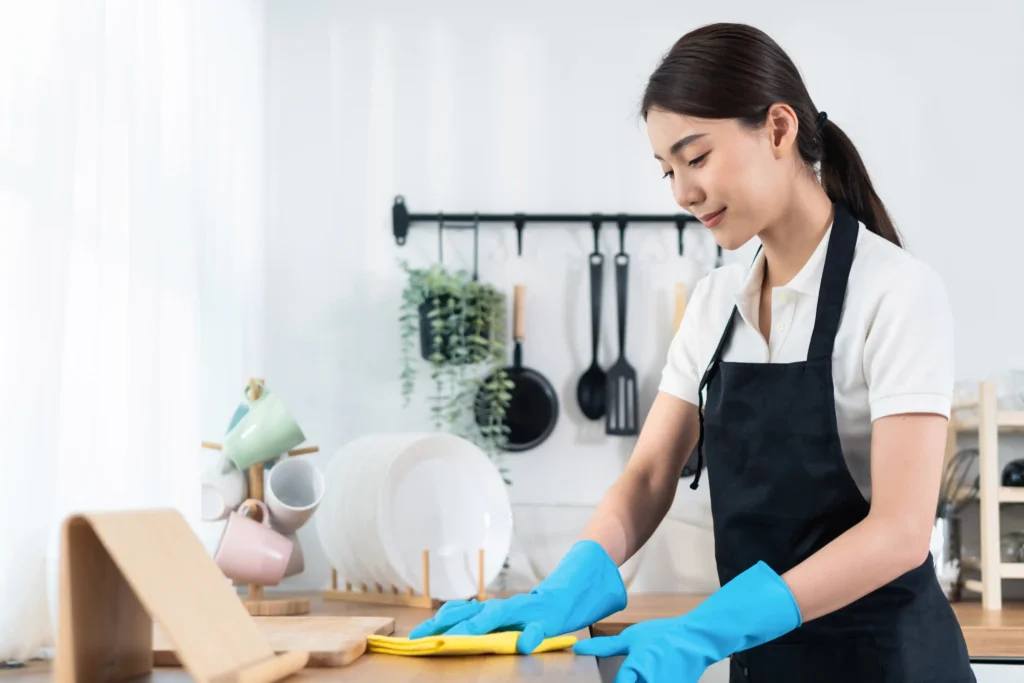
x=846 y=182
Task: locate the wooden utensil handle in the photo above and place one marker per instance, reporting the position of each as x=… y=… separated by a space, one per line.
x=680 y=303
x=519 y=315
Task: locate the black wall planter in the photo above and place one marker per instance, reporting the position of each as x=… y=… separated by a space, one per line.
x=428 y=337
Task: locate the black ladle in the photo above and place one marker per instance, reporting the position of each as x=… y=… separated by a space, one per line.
x=591 y=389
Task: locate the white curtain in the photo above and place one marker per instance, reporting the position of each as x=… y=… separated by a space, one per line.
x=130 y=260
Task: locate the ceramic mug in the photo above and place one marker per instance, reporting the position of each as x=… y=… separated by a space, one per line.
x=294 y=489
x=243 y=407
x=297 y=563
x=240 y=412
x=265 y=431
x=251 y=551
x=224 y=489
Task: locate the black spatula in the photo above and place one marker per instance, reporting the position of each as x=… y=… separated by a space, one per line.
x=621 y=416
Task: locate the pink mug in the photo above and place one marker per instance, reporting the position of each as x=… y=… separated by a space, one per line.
x=251 y=551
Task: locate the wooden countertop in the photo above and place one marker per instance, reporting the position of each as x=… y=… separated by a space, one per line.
x=990 y=635
x=375 y=668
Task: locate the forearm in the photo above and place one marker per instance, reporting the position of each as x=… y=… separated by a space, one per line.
x=906 y=466
x=629 y=512
x=635 y=504
x=866 y=557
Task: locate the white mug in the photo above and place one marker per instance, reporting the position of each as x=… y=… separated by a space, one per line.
x=223 y=491
x=295 y=488
x=297 y=563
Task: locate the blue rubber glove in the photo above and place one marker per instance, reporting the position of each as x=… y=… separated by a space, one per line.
x=754 y=608
x=584 y=588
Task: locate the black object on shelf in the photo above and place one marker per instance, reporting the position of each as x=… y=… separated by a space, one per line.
x=1013 y=473
x=402 y=221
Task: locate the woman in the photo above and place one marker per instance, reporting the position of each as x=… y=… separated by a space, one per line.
x=817 y=382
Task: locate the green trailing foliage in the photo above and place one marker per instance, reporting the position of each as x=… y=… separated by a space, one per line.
x=457 y=326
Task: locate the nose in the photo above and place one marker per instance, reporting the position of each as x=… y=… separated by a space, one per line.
x=687 y=196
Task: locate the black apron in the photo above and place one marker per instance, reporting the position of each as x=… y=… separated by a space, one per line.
x=781 y=490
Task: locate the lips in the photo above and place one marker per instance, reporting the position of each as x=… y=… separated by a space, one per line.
x=712 y=219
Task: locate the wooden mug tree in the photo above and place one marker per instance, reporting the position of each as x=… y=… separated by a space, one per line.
x=254 y=601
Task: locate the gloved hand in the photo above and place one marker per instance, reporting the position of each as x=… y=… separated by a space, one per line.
x=754 y=608
x=584 y=588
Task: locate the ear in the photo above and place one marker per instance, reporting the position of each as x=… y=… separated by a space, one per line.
x=782 y=125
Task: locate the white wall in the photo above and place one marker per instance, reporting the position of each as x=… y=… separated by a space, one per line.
x=461 y=108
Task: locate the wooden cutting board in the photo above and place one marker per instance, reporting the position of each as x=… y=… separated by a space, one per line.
x=331 y=641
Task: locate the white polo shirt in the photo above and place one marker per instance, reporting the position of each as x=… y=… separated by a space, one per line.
x=893 y=352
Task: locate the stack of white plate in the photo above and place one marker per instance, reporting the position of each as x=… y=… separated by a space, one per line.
x=389 y=497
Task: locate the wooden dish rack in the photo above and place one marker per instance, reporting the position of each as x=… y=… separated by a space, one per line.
x=255 y=602
x=989 y=423
x=392 y=595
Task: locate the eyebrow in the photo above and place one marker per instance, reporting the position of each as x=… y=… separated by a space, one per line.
x=680 y=143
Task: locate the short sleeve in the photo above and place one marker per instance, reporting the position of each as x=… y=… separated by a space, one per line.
x=680 y=376
x=909 y=350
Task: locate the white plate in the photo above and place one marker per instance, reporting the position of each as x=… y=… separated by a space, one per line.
x=355 y=513
x=443 y=494
x=337 y=512
x=328 y=518
x=367 y=536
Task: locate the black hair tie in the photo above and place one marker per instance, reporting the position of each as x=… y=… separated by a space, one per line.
x=822 y=118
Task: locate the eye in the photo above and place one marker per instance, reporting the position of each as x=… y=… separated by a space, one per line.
x=698 y=160
x=668 y=174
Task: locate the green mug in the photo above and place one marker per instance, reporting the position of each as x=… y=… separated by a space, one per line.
x=266 y=431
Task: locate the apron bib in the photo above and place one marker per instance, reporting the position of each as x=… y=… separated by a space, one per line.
x=781 y=491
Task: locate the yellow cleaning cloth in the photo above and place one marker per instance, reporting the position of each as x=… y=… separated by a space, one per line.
x=503 y=643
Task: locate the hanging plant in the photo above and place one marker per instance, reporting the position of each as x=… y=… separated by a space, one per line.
x=457 y=325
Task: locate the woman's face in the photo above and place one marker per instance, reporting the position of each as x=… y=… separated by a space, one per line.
x=734 y=179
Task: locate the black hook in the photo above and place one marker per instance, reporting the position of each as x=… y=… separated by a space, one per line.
x=520 y=224
x=680 y=224
x=595 y=223
x=476 y=237
x=718 y=259
x=623 y=221
x=440 y=238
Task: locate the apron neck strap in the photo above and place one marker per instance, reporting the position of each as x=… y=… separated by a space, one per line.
x=834 y=278
x=704 y=380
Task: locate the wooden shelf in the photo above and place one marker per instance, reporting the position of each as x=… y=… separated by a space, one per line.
x=1011 y=494
x=989 y=422
x=1007 y=494
x=1007 y=570
x=1012 y=570
x=1006 y=420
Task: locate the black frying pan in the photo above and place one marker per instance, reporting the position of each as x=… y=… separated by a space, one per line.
x=533 y=409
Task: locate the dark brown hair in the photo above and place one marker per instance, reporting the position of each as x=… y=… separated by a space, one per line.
x=723 y=71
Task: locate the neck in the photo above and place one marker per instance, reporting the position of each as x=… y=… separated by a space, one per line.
x=789 y=241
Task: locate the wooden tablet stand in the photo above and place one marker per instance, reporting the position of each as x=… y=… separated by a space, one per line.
x=378 y=594
x=120 y=571
x=255 y=602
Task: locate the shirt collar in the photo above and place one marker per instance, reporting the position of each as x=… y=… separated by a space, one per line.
x=806 y=281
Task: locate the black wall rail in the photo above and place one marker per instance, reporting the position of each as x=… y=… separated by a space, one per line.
x=402 y=221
